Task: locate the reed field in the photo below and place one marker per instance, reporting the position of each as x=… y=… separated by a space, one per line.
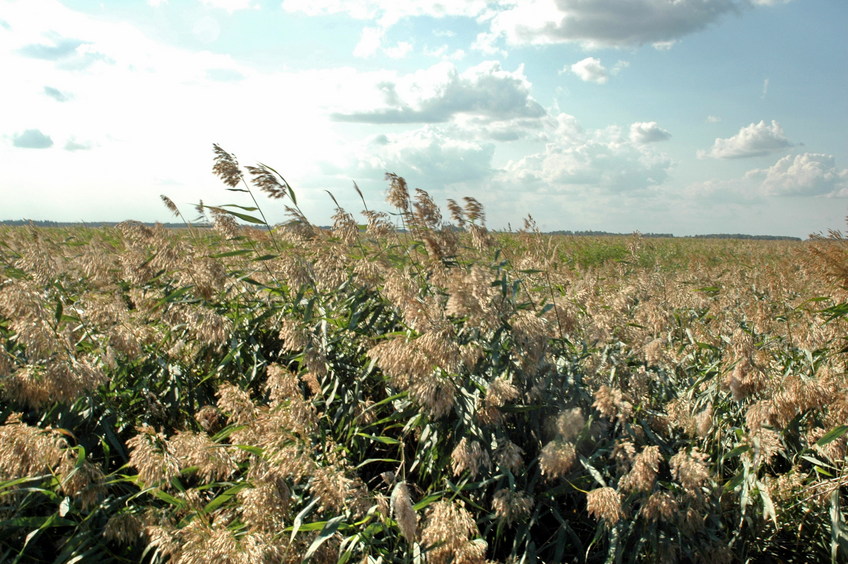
x=412 y=387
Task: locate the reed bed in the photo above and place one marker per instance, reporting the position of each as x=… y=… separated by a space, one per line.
x=409 y=387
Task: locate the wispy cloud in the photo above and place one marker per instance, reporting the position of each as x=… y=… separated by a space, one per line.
x=59 y=48
x=56 y=94
x=73 y=144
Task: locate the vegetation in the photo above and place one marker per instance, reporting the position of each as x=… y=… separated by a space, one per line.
x=404 y=390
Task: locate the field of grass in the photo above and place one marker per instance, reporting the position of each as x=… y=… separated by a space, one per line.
x=395 y=390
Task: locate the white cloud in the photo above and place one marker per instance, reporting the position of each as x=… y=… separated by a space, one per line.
x=599 y=23
x=440 y=92
x=603 y=158
x=753 y=140
x=590 y=69
x=369 y=42
x=388 y=12
x=32 y=139
x=806 y=174
x=595 y=23
x=229 y=5
x=713 y=119
x=486 y=43
x=399 y=51
x=647 y=132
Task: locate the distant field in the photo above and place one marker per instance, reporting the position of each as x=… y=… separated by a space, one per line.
x=426 y=394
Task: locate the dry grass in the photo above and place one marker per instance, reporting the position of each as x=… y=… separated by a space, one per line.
x=240 y=393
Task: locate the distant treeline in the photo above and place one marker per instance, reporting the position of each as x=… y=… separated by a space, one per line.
x=45 y=223
x=672 y=236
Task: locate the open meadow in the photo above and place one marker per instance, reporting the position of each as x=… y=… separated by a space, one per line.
x=395 y=390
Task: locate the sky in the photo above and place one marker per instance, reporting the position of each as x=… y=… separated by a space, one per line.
x=659 y=116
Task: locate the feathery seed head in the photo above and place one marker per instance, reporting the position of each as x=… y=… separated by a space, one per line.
x=265 y=179
x=557 y=458
x=511 y=506
x=226 y=167
x=604 y=503
x=404 y=514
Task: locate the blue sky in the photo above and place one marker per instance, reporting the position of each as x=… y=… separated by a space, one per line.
x=694 y=116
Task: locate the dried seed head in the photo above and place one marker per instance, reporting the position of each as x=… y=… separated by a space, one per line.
x=644 y=472
x=405 y=515
x=172 y=207
x=604 y=503
x=398 y=195
x=557 y=458
x=474 y=211
x=610 y=403
x=510 y=456
x=265 y=179
x=660 y=505
x=456 y=213
x=500 y=391
x=511 y=506
x=426 y=214
x=124 y=528
x=690 y=469
x=470 y=456
x=570 y=423
x=449 y=530
x=226 y=167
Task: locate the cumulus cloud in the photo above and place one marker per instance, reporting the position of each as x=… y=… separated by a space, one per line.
x=32 y=139
x=615 y=23
x=440 y=92
x=753 y=140
x=590 y=69
x=604 y=158
x=647 y=132
x=806 y=174
x=56 y=94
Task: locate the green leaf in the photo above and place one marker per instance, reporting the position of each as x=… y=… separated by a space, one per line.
x=734 y=482
x=383 y=439
x=329 y=530
x=232 y=253
x=298 y=520
x=245 y=208
x=223 y=497
x=736 y=451
x=832 y=435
